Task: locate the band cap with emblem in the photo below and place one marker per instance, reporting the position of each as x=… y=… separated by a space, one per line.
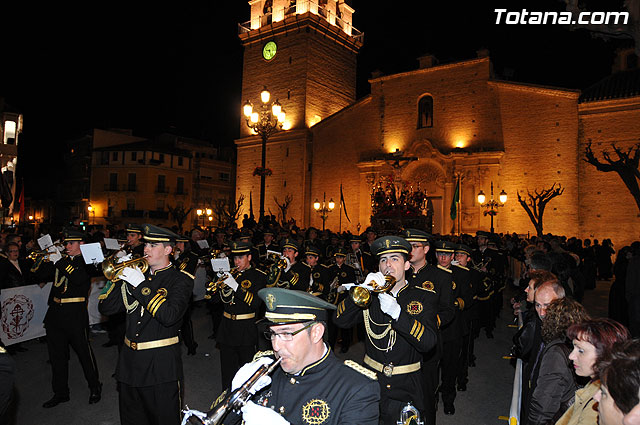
x=445 y=246
x=182 y=239
x=290 y=243
x=291 y=306
x=463 y=249
x=340 y=252
x=134 y=228
x=72 y=235
x=312 y=250
x=389 y=244
x=416 y=235
x=153 y=233
x=241 y=248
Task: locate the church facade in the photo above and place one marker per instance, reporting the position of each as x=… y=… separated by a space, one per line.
x=424 y=130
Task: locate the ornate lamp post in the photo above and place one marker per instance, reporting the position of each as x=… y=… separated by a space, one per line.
x=324 y=209
x=264 y=123
x=492 y=205
x=204 y=212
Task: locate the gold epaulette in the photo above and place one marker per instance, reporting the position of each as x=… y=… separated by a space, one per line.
x=462 y=267
x=188 y=274
x=325 y=266
x=363 y=370
x=264 y=273
x=260 y=354
x=444 y=268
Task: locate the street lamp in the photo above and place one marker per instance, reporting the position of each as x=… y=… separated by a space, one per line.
x=324 y=209
x=264 y=123
x=92 y=211
x=204 y=212
x=492 y=205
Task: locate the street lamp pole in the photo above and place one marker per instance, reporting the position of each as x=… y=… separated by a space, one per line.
x=492 y=205
x=325 y=208
x=268 y=121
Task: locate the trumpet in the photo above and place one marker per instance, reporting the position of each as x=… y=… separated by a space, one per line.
x=235 y=400
x=112 y=269
x=216 y=285
x=361 y=296
x=43 y=254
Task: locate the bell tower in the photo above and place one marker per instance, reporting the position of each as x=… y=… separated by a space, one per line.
x=304 y=52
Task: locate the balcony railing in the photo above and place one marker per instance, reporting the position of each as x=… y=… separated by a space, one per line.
x=300 y=7
x=120 y=188
x=132 y=213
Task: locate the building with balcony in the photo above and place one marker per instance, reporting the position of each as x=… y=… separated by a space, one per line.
x=10 y=129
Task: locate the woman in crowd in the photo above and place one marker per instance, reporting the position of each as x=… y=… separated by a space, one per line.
x=554 y=381
x=592 y=340
x=619 y=391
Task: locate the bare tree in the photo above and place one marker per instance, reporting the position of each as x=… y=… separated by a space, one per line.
x=284 y=207
x=228 y=211
x=535 y=203
x=179 y=214
x=626 y=165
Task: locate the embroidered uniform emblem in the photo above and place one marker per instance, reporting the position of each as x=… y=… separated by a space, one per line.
x=270 y=301
x=145 y=291
x=453 y=285
x=162 y=291
x=315 y=412
x=428 y=285
x=316 y=275
x=414 y=308
x=343 y=274
x=246 y=284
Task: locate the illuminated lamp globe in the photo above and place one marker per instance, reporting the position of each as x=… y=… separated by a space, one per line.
x=316 y=205
x=503 y=197
x=332 y=204
x=265 y=95
x=276 y=108
x=247 y=109
x=481 y=197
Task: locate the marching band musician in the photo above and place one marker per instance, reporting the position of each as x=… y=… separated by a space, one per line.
x=149 y=370
x=186 y=261
x=483 y=257
x=400 y=326
x=319 y=282
x=436 y=285
x=360 y=260
x=67 y=319
x=452 y=332
x=267 y=244
x=341 y=273
x=298 y=274
x=135 y=244
x=238 y=334
x=311 y=385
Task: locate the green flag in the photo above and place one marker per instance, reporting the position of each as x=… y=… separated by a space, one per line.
x=454 y=201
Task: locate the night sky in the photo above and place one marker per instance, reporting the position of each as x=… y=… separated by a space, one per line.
x=178 y=67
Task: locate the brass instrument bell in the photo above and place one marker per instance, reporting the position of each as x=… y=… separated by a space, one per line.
x=112 y=269
x=361 y=296
x=409 y=416
x=216 y=285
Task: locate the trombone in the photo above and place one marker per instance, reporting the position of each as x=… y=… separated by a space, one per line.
x=112 y=269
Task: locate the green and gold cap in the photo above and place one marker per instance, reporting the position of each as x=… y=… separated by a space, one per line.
x=290 y=306
x=389 y=244
x=445 y=246
x=241 y=248
x=463 y=248
x=153 y=233
x=71 y=235
x=134 y=228
x=416 y=235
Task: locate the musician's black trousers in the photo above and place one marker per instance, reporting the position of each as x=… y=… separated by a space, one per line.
x=59 y=338
x=233 y=358
x=153 y=405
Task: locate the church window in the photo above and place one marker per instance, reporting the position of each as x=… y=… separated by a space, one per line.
x=425 y=112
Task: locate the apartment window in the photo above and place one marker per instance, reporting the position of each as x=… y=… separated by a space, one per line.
x=134 y=156
x=161 y=157
x=224 y=177
x=162 y=184
x=113 y=181
x=180 y=161
x=180 y=186
x=131 y=182
x=114 y=156
x=104 y=158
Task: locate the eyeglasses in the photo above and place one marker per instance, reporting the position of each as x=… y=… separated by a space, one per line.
x=285 y=336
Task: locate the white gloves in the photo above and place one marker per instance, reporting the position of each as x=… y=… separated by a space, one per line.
x=389 y=305
x=132 y=275
x=341 y=289
x=252 y=414
x=123 y=257
x=247 y=371
x=231 y=283
x=378 y=278
x=54 y=257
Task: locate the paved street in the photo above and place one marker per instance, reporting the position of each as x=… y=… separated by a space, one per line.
x=487 y=398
